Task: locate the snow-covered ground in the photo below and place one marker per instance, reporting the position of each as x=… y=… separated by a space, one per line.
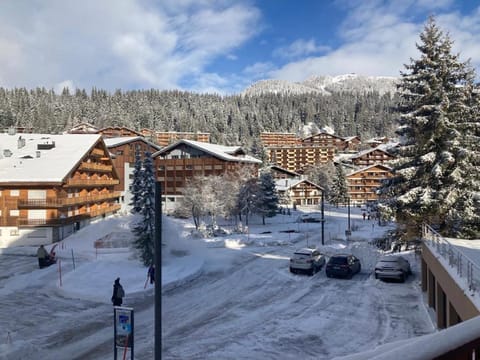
x=228 y=297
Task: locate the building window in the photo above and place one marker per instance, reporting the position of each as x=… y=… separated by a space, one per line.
x=119 y=152
x=14 y=213
x=14 y=192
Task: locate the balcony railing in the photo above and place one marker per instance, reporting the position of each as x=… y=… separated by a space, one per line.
x=64 y=201
x=95 y=167
x=461 y=263
x=24 y=222
x=91 y=182
x=98 y=152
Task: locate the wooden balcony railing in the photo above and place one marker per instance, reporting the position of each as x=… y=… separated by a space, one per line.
x=95 y=167
x=98 y=152
x=24 y=222
x=91 y=182
x=64 y=201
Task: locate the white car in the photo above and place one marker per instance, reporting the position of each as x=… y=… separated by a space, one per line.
x=392 y=267
x=306 y=260
x=310 y=217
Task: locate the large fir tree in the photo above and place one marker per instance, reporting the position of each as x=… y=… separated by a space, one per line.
x=145 y=230
x=338 y=193
x=267 y=197
x=136 y=186
x=432 y=180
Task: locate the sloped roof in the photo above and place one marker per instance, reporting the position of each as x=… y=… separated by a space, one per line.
x=283 y=170
x=53 y=165
x=369 y=167
x=226 y=153
x=117 y=141
x=286 y=184
x=364 y=152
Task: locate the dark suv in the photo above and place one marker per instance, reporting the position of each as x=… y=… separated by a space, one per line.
x=342 y=265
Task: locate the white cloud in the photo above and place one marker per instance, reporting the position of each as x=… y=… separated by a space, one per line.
x=299 y=48
x=379 y=39
x=117 y=44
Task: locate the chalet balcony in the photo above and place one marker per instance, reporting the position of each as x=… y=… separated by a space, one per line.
x=95 y=167
x=52 y=203
x=24 y=222
x=91 y=182
x=98 y=152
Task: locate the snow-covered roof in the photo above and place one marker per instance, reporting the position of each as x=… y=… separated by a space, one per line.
x=369 y=167
x=30 y=164
x=117 y=141
x=367 y=151
x=286 y=184
x=226 y=153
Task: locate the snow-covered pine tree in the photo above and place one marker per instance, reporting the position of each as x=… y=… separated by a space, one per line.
x=338 y=193
x=246 y=203
x=136 y=186
x=145 y=230
x=267 y=197
x=432 y=176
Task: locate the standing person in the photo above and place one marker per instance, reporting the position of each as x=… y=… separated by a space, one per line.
x=118 y=293
x=151 y=273
x=42 y=256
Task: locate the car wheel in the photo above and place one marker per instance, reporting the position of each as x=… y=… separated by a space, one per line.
x=376 y=276
x=402 y=277
x=311 y=271
x=292 y=271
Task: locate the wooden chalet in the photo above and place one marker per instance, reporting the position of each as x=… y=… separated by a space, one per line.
x=363 y=183
x=123 y=151
x=118 y=131
x=300 y=192
x=371 y=157
x=164 y=138
x=281 y=173
x=83 y=128
x=298 y=158
x=279 y=139
x=327 y=140
x=186 y=159
x=52 y=185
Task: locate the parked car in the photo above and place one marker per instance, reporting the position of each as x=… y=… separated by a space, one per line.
x=343 y=265
x=392 y=267
x=307 y=260
x=310 y=217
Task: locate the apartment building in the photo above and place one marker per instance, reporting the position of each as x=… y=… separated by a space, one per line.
x=186 y=159
x=364 y=183
x=52 y=185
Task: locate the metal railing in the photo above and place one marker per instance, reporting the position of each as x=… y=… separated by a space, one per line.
x=457 y=260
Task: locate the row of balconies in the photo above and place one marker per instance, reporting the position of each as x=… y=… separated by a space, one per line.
x=65 y=201
x=22 y=222
x=91 y=182
x=95 y=167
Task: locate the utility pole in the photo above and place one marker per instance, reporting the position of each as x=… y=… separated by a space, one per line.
x=323 y=217
x=158 y=271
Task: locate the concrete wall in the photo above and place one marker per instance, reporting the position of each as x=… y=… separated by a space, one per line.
x=444 y=295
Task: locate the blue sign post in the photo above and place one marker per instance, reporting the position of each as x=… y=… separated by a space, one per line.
x=123 y=331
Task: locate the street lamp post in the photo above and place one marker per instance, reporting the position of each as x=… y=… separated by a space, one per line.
x=323 y=217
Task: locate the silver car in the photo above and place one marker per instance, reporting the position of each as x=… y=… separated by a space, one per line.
x=392 y=267
x=307 y=260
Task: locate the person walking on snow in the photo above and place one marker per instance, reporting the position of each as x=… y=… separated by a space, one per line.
x=42 y=256
x=151 y=273
x=118 y=293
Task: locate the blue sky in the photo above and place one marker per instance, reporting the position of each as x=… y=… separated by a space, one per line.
x=219 y=46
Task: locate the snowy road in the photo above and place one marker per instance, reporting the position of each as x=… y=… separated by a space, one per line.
x=265 y=312
x=253 y=307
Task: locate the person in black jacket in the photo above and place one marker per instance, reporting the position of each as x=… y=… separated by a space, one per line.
x=118 y=293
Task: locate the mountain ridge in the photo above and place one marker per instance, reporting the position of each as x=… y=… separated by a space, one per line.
x=325 y=85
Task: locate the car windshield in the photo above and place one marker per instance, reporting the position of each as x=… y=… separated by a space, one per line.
x=299 y=254
x=338 y=260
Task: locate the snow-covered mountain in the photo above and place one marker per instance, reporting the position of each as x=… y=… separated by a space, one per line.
x=325 y=85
